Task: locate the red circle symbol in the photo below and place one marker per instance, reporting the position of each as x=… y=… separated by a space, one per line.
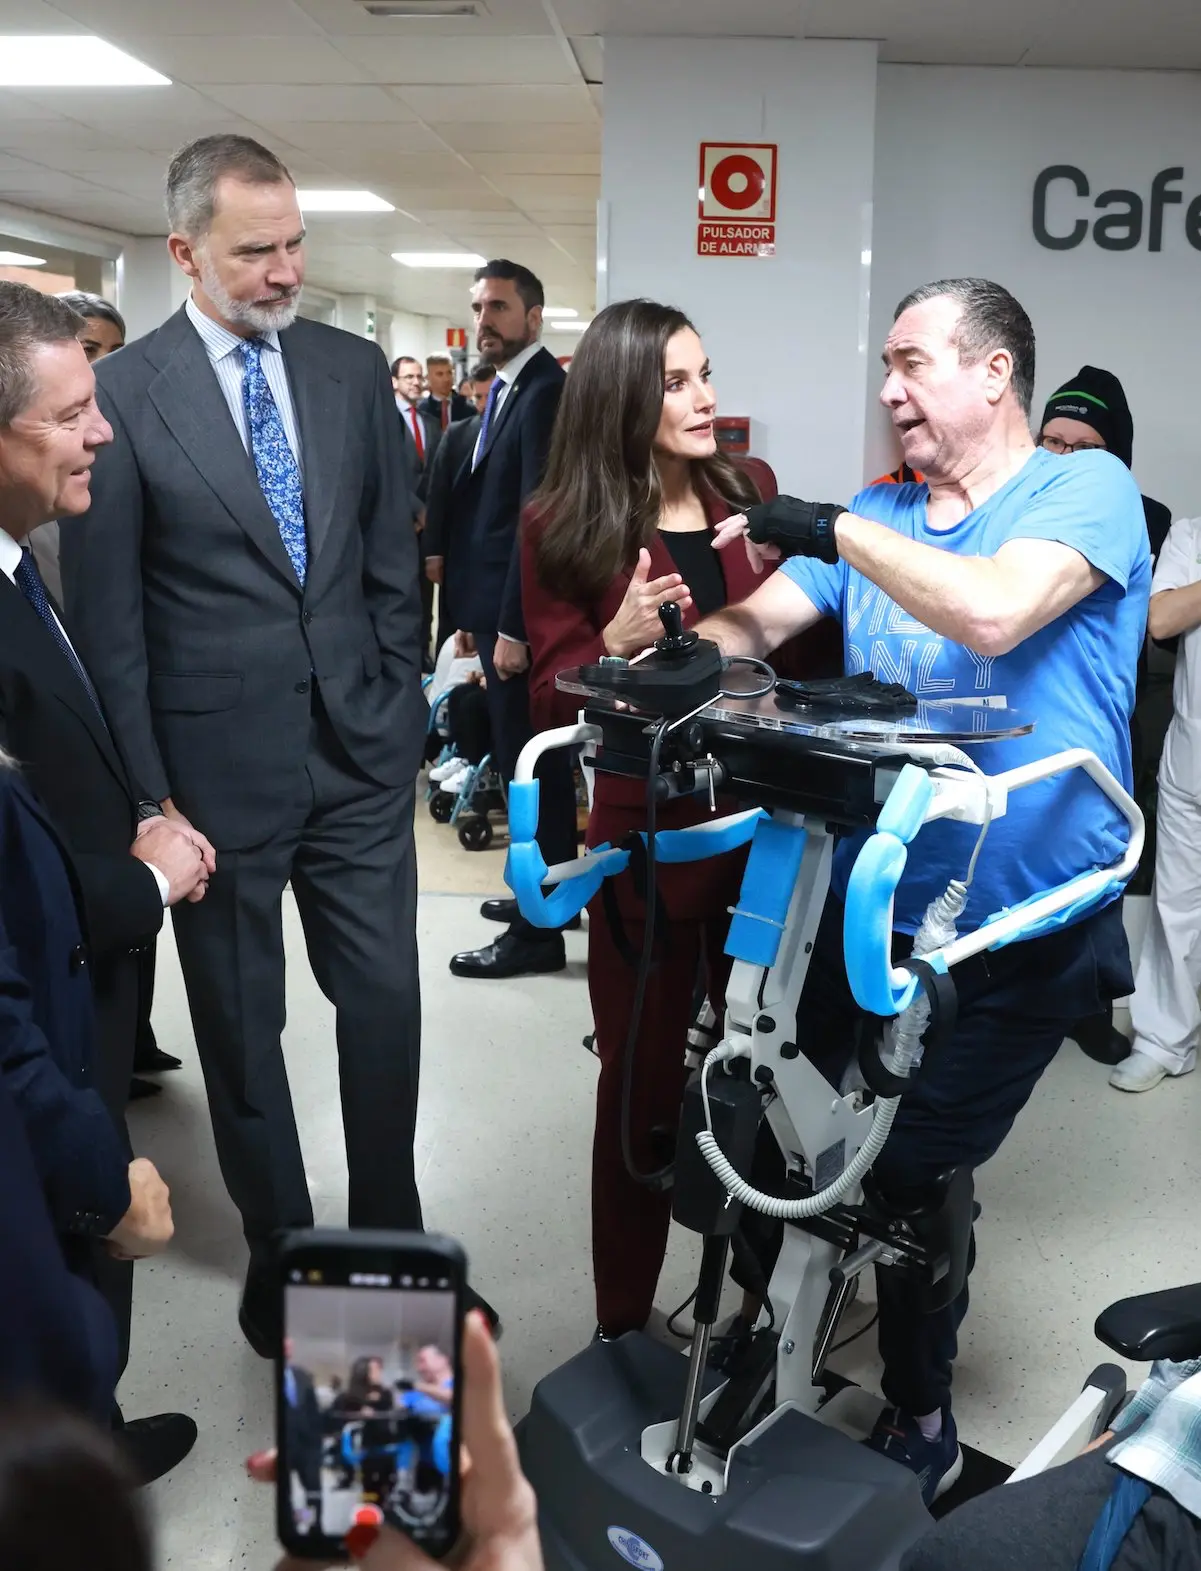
x=725 y=171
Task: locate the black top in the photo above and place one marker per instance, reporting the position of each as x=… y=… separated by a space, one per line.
x=698 y=565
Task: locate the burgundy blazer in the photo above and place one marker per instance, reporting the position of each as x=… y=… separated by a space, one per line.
x=565 y=633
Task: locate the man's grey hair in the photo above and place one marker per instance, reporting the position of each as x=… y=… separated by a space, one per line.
x=438 y=358
x=195 y=170
x=991 y=319
x=28 y=319
x=93 y=307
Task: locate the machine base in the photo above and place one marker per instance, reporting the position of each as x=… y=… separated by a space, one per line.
x=802 y=1497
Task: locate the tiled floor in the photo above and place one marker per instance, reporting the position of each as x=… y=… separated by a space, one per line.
x=1093 y=1197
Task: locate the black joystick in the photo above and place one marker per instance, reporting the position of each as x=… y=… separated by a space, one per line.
x=675 y=641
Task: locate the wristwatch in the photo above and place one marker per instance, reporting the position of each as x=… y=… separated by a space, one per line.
x=149 y=809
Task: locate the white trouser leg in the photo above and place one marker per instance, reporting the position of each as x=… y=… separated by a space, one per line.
x=1164 y=1010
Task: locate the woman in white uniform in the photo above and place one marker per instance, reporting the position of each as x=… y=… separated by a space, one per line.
x=1164 y=1011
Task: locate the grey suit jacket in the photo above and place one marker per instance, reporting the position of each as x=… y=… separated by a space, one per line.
x=184 y=603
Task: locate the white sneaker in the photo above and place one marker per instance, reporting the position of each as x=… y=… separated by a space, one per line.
x=453 y=783
x=1139 y=1072
x=440 y=771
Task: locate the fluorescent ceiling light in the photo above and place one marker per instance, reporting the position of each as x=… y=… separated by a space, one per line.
x=28 y=60
x=342 y=202
x=567 y=327
x=15 y=259
x=439 y=259
x=551 y=312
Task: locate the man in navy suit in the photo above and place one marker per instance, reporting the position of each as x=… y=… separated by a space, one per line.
x=444 y=404
x=501 y=473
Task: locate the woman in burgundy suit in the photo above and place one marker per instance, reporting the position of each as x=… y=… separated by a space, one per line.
x=623 y=521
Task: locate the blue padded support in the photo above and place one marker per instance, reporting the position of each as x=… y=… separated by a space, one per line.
x=1064 y=918
x=523 y=810
x=767 y=884
x=703 y=840
x=904 y=813
x=867 y=927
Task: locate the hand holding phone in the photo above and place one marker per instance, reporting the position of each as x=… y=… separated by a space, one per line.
x=368 y=1390
x=500 y=1525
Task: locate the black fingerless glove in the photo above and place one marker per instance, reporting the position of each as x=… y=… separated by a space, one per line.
x=798 y=528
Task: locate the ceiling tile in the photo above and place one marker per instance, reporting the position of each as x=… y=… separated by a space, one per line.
x=273 y=102
x=334 y=140
x=696 y=18
x=99 y=105
x=474 y=137
x=277 y=58
x=19 y=106
x=523 y=105
x=496 y=164
x=590 y=53
x=549 y=191
x=409 y=60
x=122 y=20
x=34 y=16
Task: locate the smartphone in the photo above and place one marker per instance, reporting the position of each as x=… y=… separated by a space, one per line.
x=367 y=1392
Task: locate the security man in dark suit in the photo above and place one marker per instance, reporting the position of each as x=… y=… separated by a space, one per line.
x=123 y=872
x=501 y=473
x=422 y=433
x=248 y=607
x=447 y=483
x=445 y=403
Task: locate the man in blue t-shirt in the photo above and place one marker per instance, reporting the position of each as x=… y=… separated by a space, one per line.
x=1005 y=574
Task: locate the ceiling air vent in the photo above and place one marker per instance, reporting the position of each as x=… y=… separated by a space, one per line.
x=405 y=10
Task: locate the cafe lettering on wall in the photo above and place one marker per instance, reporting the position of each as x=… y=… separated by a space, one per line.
x=1119 y=219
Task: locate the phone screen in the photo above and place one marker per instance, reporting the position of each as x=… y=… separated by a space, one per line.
x=367 y=1398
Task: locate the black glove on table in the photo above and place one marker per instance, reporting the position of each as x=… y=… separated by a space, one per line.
x=798 y=528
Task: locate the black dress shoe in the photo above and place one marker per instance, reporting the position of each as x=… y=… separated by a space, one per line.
x=512 y=954
x=260 y=1314
x=506 y=911
x=153 y=1446
x=155 y=1062
x=139 y=1090
x=472 y=1300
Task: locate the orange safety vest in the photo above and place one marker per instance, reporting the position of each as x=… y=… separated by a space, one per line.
x=901 y=475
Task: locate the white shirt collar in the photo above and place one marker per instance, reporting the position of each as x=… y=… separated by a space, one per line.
x=217 y=339
x=10 y=554
x=509 y=373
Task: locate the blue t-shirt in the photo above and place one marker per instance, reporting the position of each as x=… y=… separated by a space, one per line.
x=1075 y=677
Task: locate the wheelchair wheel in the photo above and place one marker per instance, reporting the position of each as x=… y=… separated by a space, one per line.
x=442 y=805
x=475 y=834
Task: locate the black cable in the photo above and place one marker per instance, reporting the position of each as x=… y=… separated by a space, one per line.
x=855 y=1335
x=661 y=1178
x=759 y=665
x=684 y=1336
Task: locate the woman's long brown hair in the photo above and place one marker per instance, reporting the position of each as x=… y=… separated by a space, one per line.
x=601 y=499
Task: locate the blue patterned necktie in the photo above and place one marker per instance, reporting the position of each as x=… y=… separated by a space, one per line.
x=29 y=581
x=486 y=422
x=274 y=461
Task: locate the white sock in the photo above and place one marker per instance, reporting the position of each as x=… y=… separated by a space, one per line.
x=931 y=1425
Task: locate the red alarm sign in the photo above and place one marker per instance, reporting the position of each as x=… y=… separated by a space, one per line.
x=456 y=338
x=737 y=199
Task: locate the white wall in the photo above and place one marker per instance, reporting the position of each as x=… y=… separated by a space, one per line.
x=760 y=318
x=957 y=155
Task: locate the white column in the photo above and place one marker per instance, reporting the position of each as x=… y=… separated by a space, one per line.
x=356 y=313
x=149 y=285
x=787 y=334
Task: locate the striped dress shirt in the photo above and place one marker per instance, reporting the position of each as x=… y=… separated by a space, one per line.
x=224 y=350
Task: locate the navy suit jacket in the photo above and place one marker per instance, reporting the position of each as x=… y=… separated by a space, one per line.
x=488 y=591
x=47 y=1026
x=57 y=1336
x=460 y=409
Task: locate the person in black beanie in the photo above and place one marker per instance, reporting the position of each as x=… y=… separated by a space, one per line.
x=1087 y=414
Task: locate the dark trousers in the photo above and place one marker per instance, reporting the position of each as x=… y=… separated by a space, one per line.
x=1045 y=1522
x=1015 y=1008
x=346 y=846
x=145 y=1046
x=117 y=987
x=509 y=712
x=630 y=1222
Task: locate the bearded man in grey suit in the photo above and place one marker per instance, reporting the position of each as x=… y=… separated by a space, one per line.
x=245 y=595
